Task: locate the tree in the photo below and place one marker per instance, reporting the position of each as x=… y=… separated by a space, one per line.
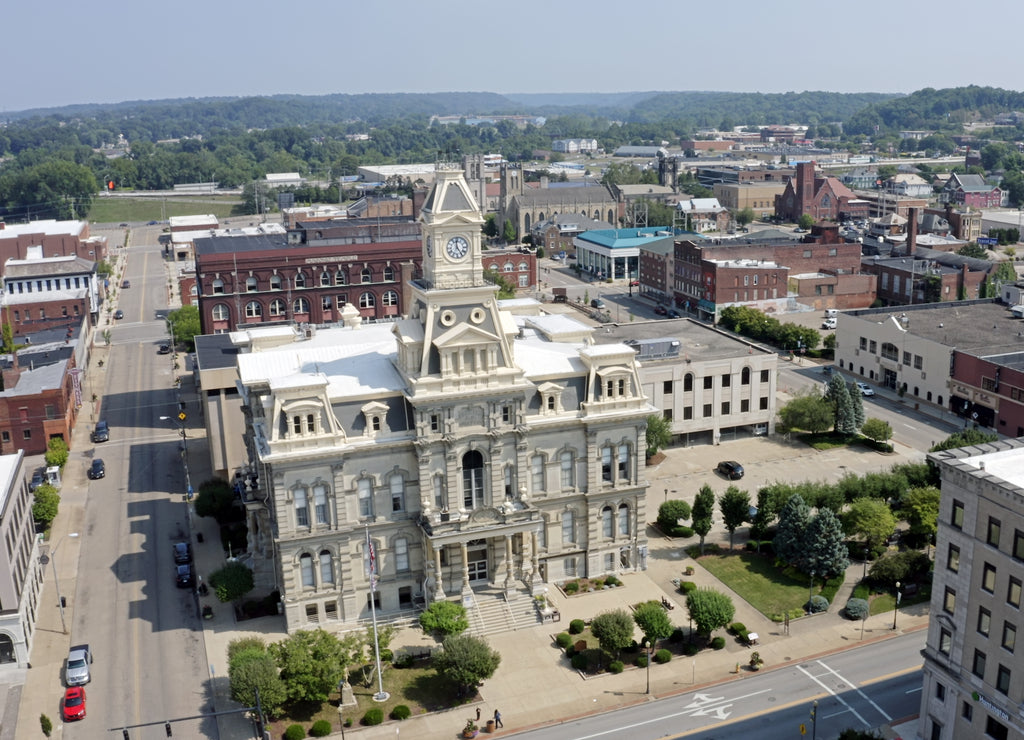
x=670 y=513
x=490 y=227
x=56 y=452
x=838 y=395
x=805 y=221
x=825 y=552
x=869 y=520
x=659 y=434
x=794 y=519
x=216 y=499
x=965 y=438
x=709 y=609
x=184 y=325
x=232 y=582
x=653 y=621
x=703 y=509
x=45 y=502
x=253 y=670
x=313 y=662
x=466 y=661
x=613 y=630
x=876 y=430
x=735 y=507
x=857 y=404
x=444 y=618
x=744 y=216
x=508 y=233
x=973 y=250
x=920 y=507
x=810 y=412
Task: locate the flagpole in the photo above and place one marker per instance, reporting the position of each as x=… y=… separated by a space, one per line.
x=381 y=694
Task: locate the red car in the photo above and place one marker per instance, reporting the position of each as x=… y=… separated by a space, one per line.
x=634 y=283
x=74 y=703
x=660 y=310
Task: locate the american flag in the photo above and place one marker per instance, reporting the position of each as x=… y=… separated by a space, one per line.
x=371 y=564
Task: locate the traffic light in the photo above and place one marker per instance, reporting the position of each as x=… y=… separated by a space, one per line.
x=126 y=735
x=167 y=729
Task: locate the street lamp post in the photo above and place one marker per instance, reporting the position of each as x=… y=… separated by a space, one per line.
x=56 y=581
x=810 y=592
x=184 y=450
x=647 y=647
x=814 y=721
x=896 y=606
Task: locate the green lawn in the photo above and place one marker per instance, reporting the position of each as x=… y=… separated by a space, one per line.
x=756 y=579
x=117 y=210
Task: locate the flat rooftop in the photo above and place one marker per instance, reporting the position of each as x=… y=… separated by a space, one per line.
x=697 y=340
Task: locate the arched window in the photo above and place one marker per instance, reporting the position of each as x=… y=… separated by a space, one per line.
x=339 y=277
x=889 y=351
x=389 y=274
x=607 y=522
x=275 y=282
x=300 y=279
x=220 y=312
x=320 y=504
x=217 y=286
x=7 y=654
x=251 y=284
x=253 y=310
x=300 y=305
x=301 y=508
x=306 y=568
x=277 y=307
x=326 y=567
x=366 y=276
x=508 y=267
x=325 y=278
x=494 y=267
x=390 y=298
x=472 y=479
x=623 y=519
x=688 y=382
x=523 y=267
x=367 y=300
x=745 y=376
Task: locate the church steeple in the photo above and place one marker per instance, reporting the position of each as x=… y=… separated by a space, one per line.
x=451 y=232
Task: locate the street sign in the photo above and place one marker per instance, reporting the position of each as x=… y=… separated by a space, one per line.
x=987 y=240
x=182 y=416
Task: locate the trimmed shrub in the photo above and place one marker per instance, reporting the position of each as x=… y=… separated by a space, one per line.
x=572 y=587
x=563 y=640
x=641 y=660
x=738 y=628
x=579 y=661
x=718 y=643
x=45 y=724
x=857 y=609
x=687 y=586
x=615 y=666
x=818 y=604
x=404 y=661
x=295 y=732
x=689 y=649
x=576 y=626
x=663 y=656
x=401 y=712
x=320 y=728
x=677 y=635
x=570 y=651
x=373 y=716
x=612 y=580
x=682 y=532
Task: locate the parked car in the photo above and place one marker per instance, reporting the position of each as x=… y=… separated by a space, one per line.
x=77 y=671
x=101 y=433
x=730 y=469
x=596 y=303
x=673 y=314
x=634 y=283
x=828 y=369
x=37 y=480
x=185 y=577
x=828 y=324
x=865 y=389
x=119 y=314
x=165 y=349
x=154 y=223
x=182 y=553
x=126 y=283
x=97 y=470
x=661 y=310
x=74 y=704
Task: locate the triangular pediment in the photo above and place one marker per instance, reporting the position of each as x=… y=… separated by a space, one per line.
x=464 y=335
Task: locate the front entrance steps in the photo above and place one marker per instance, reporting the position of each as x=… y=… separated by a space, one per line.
x=495 y=611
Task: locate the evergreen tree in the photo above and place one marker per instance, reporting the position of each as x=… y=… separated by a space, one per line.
x=857 y=404
x=824 y=551
x=789 y=536
x=838 y=394
x=703 y=508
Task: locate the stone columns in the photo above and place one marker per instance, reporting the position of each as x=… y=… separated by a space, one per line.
x=534 y=565
x=508 y=563
x=465 y=568
x=438 y=582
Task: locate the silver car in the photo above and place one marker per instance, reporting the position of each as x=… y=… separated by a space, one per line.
x=77 y=673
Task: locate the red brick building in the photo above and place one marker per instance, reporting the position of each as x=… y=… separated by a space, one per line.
x=518 y=267
x=989 y=391
x=56 y=238
x=823 y=198
x=308 y=275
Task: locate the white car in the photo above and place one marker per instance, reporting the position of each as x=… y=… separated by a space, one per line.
x=828 y=324
x=865 y=389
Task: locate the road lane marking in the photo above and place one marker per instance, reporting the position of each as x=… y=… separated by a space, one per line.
x=857 y=689
x=913 y=691
x=834 y=695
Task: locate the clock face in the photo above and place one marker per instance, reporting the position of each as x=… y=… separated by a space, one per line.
x=457 y=247
x=430 y=247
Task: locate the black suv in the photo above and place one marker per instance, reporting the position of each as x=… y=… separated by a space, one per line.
x=185 y=578
x=182 y=553
x=730 y=469
x=101 y=433
x=97 y=470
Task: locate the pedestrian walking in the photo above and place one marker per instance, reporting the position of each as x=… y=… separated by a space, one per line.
x=497 y=719
x=478 y=714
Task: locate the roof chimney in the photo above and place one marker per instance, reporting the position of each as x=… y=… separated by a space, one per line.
x=911 y=230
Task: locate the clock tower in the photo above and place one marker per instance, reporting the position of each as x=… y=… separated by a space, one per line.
x=451 y=232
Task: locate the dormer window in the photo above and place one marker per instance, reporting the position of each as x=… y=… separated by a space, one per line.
x=550 y=398
x=302 y=419
x=376 y=415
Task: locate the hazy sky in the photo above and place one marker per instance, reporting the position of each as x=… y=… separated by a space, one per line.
x=63 y=51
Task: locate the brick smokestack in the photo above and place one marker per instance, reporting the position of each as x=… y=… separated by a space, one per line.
x=804 y=186
x=911 y=231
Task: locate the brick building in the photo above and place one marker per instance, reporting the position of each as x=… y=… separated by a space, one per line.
x=930 y=276
x=823 y=198
x=972 y=191
x=757 y=196
x=308 y=275
x=54 y=238
x=518 y=267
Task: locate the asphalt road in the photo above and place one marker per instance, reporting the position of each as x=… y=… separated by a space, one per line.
x=861 y=689
x=144 y=631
